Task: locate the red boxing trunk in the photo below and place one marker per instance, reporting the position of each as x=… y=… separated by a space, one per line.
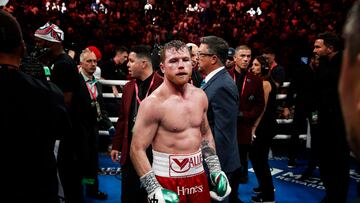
x=183 y=174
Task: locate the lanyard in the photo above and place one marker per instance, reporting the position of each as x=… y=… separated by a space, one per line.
x=147 y=93
x=243 y=85
x=92 y=93
x=94 y=102
x=137 y=96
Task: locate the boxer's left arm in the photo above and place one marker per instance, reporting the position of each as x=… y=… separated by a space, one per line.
x=144 y=133
x=218 y=178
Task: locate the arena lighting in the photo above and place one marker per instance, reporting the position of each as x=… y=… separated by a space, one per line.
x=258 y=11
x=3 y=2
x=55 y=7
x=196 y=8
x=252 y=12
x=47 y=5
x=63 y=8
x=98 y=7
x=147 y=6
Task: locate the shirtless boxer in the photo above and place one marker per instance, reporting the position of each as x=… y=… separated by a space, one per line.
x=173 y=120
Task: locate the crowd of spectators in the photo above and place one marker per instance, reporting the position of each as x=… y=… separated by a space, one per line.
x=290 y=26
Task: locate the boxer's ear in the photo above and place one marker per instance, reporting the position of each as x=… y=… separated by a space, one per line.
x=162 y=67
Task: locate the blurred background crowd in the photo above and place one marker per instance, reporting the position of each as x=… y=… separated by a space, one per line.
x=290 y=26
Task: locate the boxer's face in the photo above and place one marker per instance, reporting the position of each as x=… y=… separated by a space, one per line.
x=177 y=66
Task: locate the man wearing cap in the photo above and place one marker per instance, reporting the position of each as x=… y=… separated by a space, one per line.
x=229 y=63
x=64 y=73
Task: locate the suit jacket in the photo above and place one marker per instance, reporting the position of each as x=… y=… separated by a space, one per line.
x=121 y=139
x=222 y=114
x=251 y=105
x=328 y=101
x=87 y=123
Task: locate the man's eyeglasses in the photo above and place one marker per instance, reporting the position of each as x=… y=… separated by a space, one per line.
x=204 y=54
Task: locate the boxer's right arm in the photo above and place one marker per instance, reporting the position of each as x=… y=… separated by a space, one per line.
x=156 y=193
x=145 y=128
x=144 y=132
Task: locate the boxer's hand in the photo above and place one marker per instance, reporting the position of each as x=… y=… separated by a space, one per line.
x=162 y=195
x=222 y=188
x=156 y=193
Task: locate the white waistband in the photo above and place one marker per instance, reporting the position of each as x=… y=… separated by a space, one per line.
x=177 y=165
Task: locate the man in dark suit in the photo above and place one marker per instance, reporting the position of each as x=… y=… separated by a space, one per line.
x=230 y=62
x=144 y=82
x=223 y=100
x=33 y=115
x=91 y=114
x=334 y=171
x=300 y=96
x=251 y=105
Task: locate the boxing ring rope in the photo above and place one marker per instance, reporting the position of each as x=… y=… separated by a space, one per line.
x=111 y=95
x=278 y=97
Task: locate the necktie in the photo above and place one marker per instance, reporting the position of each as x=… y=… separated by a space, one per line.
x=202 y=83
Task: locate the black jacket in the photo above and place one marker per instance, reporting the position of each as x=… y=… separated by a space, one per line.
x=33 y=116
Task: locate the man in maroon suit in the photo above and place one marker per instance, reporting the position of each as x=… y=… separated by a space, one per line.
x=251 y=104
x=144 y=82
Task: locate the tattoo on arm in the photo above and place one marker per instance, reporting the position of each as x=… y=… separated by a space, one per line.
x=203 y=127
x=206 y=149
x=149 y=182
x=210 y=157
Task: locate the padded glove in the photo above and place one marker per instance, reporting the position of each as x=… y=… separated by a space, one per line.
x=156 y=193
x=221 y=186
x=162 y=195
